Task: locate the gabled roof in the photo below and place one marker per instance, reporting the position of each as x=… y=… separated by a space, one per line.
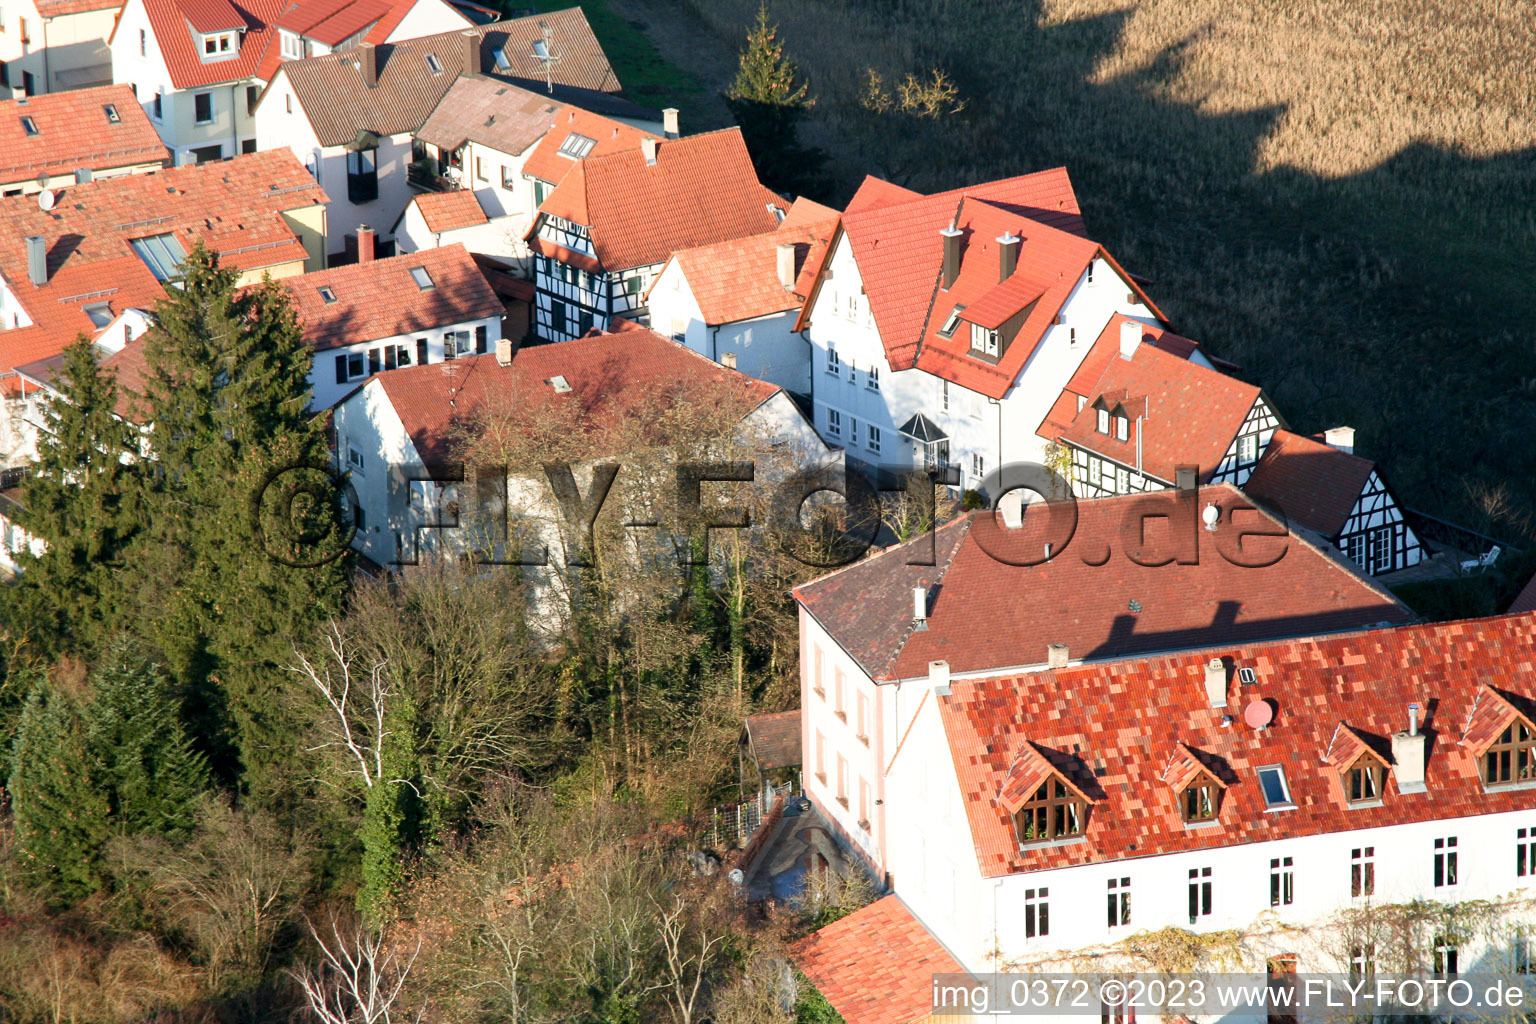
x=701 y=190
x=1186 y=765
x=876 y=965
x=338 y=104
x=985 y=614
x=1192 y=414
x=774 y=739
x=1349 y=743
x=73 y=131
x=333 y=22
x=491 y=113
x=447 y=211
x=1033 y=766
x=739 y=279
x=1491 y=712
x=380 y=298
x=548 y=163
x=234 y=206
x=609 y=376
x=174 y=22
x=1311 y=482
x=1119 y=713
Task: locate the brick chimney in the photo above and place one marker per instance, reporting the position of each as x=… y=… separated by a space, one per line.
x=37 y=259
x=364 y=243
x=1342 y=438
x=471 y=53
x=951 y=236
x=785 y=256
x=648 y=148
x=1007 y=255
x=669 y=122
x=368 y=65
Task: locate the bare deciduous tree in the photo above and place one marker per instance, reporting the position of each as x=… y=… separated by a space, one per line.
x=360 y=977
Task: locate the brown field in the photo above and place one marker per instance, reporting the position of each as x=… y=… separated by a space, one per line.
x=1339 y=195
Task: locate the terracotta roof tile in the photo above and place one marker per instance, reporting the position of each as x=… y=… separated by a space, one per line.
x=547 y=163
x=1192 y=414
x=609 y=376
x=173 y=22
x=330 y=87
x=876 y=965
x=1126 y=719
x=701 y=190
x=1313 y=483
x=380 y=298
x=60 y=8
x=73 y=131
x=774 y=739
x=333 y=22
x=446 y=211
x=492 y=113
x=1108 y=609
x=235 y=206
x=739 y=280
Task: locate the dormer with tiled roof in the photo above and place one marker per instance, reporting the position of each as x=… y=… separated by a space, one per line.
x=1046 y=805
x=1500 y=734
x=1195 y=786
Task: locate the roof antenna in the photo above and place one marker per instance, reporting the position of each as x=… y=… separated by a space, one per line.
x=548 y=57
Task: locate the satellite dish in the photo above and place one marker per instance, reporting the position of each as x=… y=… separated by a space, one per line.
x=1258 y=714
x=1211 y=515
x=46 y=198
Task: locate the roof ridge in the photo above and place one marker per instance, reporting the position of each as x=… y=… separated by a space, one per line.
x=933 y=296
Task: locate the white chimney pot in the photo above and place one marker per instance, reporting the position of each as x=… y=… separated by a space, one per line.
x=1216 y=682
x=1130 y=338
x=1342 y=438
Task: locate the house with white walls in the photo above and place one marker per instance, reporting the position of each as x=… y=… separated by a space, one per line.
x=379 y=314
x=1123 y=576
x=1145 y=402
x=737 y=301
x=49 y=46
x=198 y=67
x=486 y=138
x=943 y=327
x=1347 y=803
x=81 y=135
x=1323 y=485
x=401 y=435
x=605 y=231
x=352 y=116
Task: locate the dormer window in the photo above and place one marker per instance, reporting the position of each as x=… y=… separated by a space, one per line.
x=951 y=322
x=983 y=340
x=1512 y=757
x=220 y=45
x=1195 y=786
x=1122 y=426
x=1102 y=426
x=1200 y=800
x=1055 y=811
x=293 y=45
x=1365 y=779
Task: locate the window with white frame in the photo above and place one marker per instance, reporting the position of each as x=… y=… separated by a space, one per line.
x=457 y=343
x=1119 y=902
x=834 y=365
x=1122 y=426
x=1282 y=882
x=1277 y=794
x=1362 y=872
x=1248 y=448
x=1037 y=912
x=1445 y=862
x=1447 y=957
x=872 y=378
x=1199 y=894
x=220 y=46
x=834 y=422
x=1362 y=960
x=873 y=440
x=944 y=396
x=947 y=328
x=1102 y=424
x=293 y=45
x=983 y=340
x=354 y=460
x=202 y=107
x=978 y=466
x=1525 y=852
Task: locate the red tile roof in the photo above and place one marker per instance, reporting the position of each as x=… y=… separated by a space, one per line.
x=446 y=211
x=701 y=190
x=1115 y=726
x=60 y=8
x=380 y=298
x=876 y=965
x=174 y=21
x=985 y=614
x=491 y=113
x=73 y=132
x=613 y=378
x=896 y=241
x=1192 y=413
x=332 y=22
x=547 y=163
x=88 y=232
x=1312 y=483
x=330 y=87
x=774 y=739
x=739 y=279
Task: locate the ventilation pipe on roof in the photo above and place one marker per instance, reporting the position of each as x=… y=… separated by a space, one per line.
x=1056 y=655
x=920 y=607
x=503 y=351
x=1342 y=438
x=1408 y=755
x=785 y=253
x=938 y=677
x=471 y=53
x=1184 y=478
x=1007 y=255
x=669 y=122
x=83 y=175
x=951 y=236
x=1216 y=682
x=364 y=244
x=37 y=260
x=1130 y=338
x=368 y=65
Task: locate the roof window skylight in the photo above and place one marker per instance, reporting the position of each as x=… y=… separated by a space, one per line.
x=163 y=255
x=422 y=278
x=1277 y=793
x=576 y=146
x=29 y=126
x=100 y=313
x=499 y=55
x=541 y=49
x=951 y=322
x=111 y=111
x=327 y=295
x=433 y=64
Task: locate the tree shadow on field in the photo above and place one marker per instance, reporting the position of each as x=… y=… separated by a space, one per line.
x=1395 y=300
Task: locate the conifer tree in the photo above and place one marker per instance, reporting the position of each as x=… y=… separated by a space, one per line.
x=80 y=501
x=769 y=100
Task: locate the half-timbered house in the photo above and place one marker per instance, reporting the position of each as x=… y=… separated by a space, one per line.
x=1324 y=486
x=1146 y=402
x=604 y=233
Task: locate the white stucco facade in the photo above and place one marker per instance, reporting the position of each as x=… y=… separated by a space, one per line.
x=372 y=356
x=67 y=51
